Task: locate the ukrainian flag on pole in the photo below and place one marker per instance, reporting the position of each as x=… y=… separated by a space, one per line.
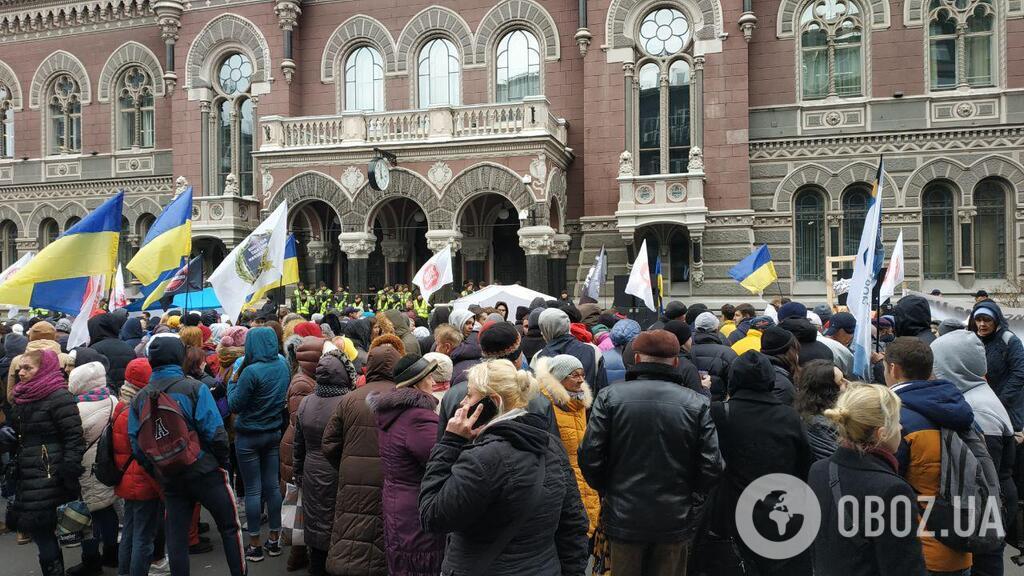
x=58 y=277
x=870 y=254
x=755 y=272
x=290 y=276
x=165 y=249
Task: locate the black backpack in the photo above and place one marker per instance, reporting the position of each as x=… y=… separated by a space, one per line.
x=105 y=468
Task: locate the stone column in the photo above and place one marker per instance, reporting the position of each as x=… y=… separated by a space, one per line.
x=475 y=252
x=287 y=18
x=537 y=242
x=357 y=247
x=204 y=131
x=628 y=69
x=558 y=259
x=396 y=256
x=697 y=258
x=698 y=104
x=320 y=257
x=168 y=17
x=438 y=240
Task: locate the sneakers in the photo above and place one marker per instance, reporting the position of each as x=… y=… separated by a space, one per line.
x=200 y=548
x=273 y=547
x=255 y=553
x=160 y=568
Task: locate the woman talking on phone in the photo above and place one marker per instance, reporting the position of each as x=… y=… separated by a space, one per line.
x=502 y=486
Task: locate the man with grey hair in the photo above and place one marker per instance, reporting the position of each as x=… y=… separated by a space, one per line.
x=554 y=327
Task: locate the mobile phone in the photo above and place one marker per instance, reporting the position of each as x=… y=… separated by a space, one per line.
x=703 y=373
x=490 y=410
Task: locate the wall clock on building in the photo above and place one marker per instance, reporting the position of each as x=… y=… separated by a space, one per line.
x=379 y=172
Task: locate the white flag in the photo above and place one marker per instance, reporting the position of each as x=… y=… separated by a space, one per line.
x=639 y=284
x=437 y=272
x=894 y=275
x=256 y=262
x=596 y=275
x=865 y=269
x=10 y=270
x=79 y=335
x=118 y=298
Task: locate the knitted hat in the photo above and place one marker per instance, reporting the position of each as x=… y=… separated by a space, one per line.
x=458 y=318
x=137 y=372
x=580 y=332
x=234 y=336
x=693 y=311
x=776 y=341
x=680 y=329
x=63 y=325
x=499 y=340
x=164 y=350
x=41 y=330
x=675 y=310
x=308 y=329
x=412 y=368
x=752 y=371
x=562 y=365
x=657 y=343
x=706 y=322
x=762 y=323
x=792 y=310
x=824 y=312
x=174 y=322
x=443 y=372
x=624 y=332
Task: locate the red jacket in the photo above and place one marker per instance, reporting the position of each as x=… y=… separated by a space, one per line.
x=136 y=484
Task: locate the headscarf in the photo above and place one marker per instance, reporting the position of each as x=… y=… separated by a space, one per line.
x=360 y=333
x=47 y=380
x=458 y=318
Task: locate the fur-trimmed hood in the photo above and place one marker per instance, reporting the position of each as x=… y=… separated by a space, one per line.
x=559 y=396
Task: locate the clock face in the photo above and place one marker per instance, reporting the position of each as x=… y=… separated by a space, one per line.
x=380 y=174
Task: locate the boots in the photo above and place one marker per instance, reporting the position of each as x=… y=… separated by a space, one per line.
x=90 y=566
x=110 y=556
x=52 y=568
x=297 y=559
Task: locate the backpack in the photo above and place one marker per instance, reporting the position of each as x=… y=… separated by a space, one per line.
x=164 y=434
x=105 y=468
x=967 y=481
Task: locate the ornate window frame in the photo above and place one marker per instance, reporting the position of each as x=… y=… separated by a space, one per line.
x=58 y=62
x=503 y=19
x=66 y=103
x=12 y=103
x=108 y=89
x=956 y=258
x=867 y=11
x=223 y=33
x=146 y=87
x=492 y=61
x=414 y=77
x=624 y=17
x=213 y=142
x=357 y=31
x=1007 y=225
x=341 y=83
x=999 y=72
x=876 y=12
x=426 y=25
x=824 y=234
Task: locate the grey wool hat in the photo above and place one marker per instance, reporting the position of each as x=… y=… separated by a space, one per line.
x=562 y=365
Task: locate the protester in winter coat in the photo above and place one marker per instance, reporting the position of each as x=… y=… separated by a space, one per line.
x=807 y=335
x=759 y=434
x=751 y=339
x=710 y=354
x=563 y=381
x=404 y=331
x=960 y=359
x=914 y=318
x=14 y=346
x=837 y=337
x=533 y=342
x=622 y=335
x=350 y=444
x=650 y=445
x=818 y=387
x=554 y=326
x=206 y=481
x=691 y=378
x=1005 y=355
x=41 y=336
x=782 y=348
x=258 y=398
x=88 y=382
x=50 y=449
x=103 y=338
x=481 y=486
x=140 y=491
x=318 y=478
x=464 y=356
x=464 y=320
x=442 y=374
x=406 y=425
x=136 y=377
x=864 y=467
x=928 y=407
x=131 y=333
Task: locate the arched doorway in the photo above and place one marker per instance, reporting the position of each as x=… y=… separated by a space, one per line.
x=400 y=226
x=490 y=241
x=316 y=227
x=671 y=243
x=213 y=250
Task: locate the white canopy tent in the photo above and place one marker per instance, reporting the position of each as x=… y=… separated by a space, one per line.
x=513 y=295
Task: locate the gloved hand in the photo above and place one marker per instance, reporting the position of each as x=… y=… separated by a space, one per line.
x=8 y=438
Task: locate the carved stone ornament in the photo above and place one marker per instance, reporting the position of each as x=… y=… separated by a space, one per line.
x=833 y=118
x=268 y=181
x=536 y=240
x=560 y=246
x=965 y=109
x=216 y=211
x=967 y=214
x=644 y=194
x=626 y=163
x=437 y=240
x=475 y=249
x=319 y=251
x=195 y=212
x=697 y=274
x=231 y=185
x=583 y=39
x=539 y=171
x=747 y=23
x=696 y=163
x=180 y=185
x=352 y=180
x=395 y=250
x=357 y=244
x=439 y=174
x=676 y=192
x=834 y=220
x=287 y=13
x=288 y=69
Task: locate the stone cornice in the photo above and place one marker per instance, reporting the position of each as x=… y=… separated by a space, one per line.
x=78 y=189
x=32 y=20
x=888 y=142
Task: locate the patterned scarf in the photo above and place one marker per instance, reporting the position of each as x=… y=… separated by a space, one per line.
x=94 y=395
x=48 y=379
x=577 y=395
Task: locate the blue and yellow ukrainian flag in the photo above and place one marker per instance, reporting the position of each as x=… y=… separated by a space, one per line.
x=755 y=272
x=660 y=284
x=165 y=249
x=290 y=275
x=57 y=278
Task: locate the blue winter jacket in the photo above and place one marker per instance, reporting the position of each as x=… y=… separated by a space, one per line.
x=1004 y=354
x=258 y=397
x=613 y=366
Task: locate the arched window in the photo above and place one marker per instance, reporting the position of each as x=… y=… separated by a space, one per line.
x=64 y=112
x=961 y=43
x=830 y=49
x=439 y=74
x=679 y=257
x=8 y=244
x=518 y=66
x=49 y=230
x=124 y=249
x=809 y=220
x=135 y=109
x=6 y=123
x=937 y=231
x=663 y=93
x=235 y=116
x=855 y=209
x=71 y=222
x=364 y=80
x=990 y=230
x=143 y=225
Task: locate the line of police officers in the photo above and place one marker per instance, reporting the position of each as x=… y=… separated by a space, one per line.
x=307 y=302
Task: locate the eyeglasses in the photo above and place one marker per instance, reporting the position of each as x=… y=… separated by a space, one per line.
x=578 y=374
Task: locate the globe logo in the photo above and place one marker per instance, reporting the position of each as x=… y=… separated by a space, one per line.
x=777 y=516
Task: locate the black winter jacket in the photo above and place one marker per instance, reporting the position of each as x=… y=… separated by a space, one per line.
x=821 y=436
x=783 y=389
x=1004 y=354
x=807 y=335
x=913 y=318
x=861 y=476
x=103 y=338
x=650 y=444
x=711 y=355
x=474 y=490
x=49 y=460
x=539 y=405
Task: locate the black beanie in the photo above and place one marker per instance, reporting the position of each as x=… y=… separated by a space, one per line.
x=693 y=311
x=751 y=371
x=680 y=329
x=775 y=341
x=499 y=340
x=675 y=310
x=166 y=350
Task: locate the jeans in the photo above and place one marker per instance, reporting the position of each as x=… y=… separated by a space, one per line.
x=648 y=558
x=49 y=548
x=259 y=463
x=213 y=491
x=141 y=519
x=104 y=528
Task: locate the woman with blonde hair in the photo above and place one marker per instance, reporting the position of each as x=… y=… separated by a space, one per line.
x=501 y=486
x=863 y=468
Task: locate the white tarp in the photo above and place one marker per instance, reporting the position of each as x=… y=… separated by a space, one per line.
x=960 y=309
x=514 y=295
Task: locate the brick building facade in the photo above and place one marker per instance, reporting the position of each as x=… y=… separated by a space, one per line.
x=528 y=134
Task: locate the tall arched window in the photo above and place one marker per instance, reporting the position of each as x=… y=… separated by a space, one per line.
x=518 y=66
x=6 y=123
x=364 y=80
x=663 y=95
x=135 y=109
x=124 y=249
x=439 y=74
x=830 y=49
x=8 y=244
x=961 y=43
x=937 y=231
x=809 y=221
x=64 y=134
x=235 y=115
x=990 y=230
x=855 y=209
x=71 y=222
x=49 y=230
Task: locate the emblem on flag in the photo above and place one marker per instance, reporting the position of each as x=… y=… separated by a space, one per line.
x=251 y=260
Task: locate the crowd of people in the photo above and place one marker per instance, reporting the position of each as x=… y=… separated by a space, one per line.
x=555 y=438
